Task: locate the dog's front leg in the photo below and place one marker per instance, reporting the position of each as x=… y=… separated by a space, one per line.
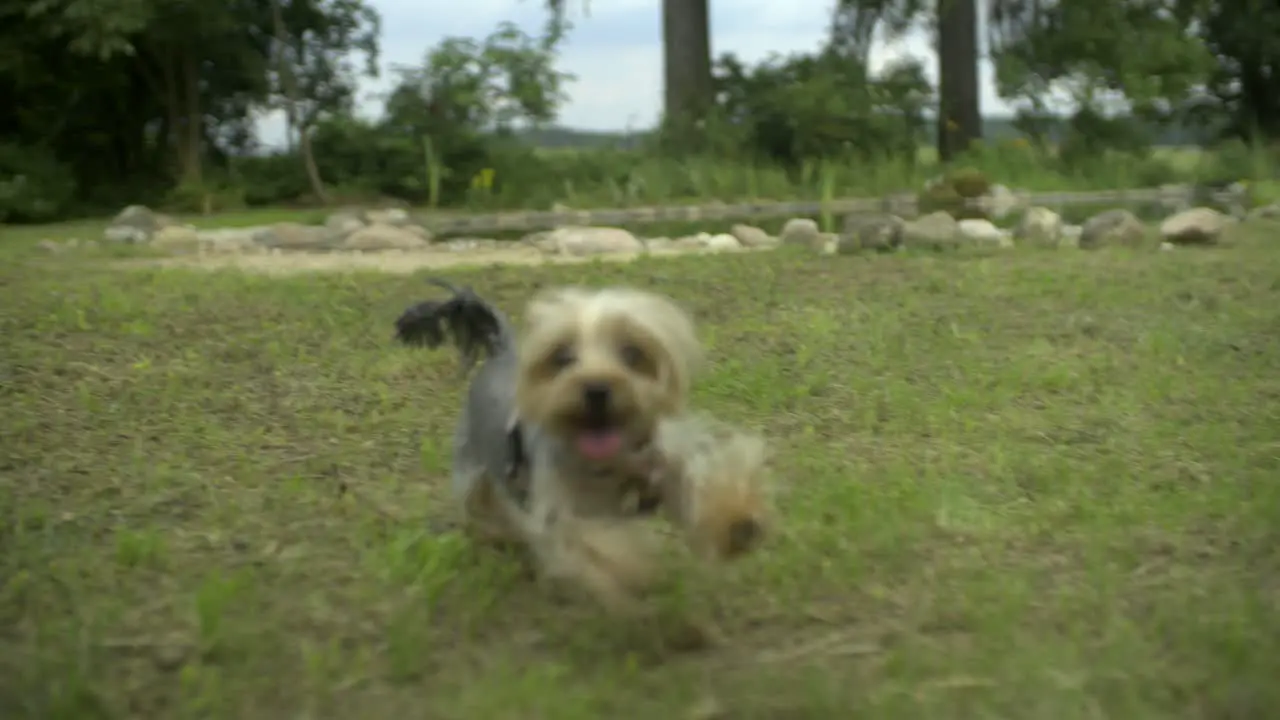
x=611 y=559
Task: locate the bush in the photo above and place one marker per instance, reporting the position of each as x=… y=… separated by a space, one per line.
x=34 y=185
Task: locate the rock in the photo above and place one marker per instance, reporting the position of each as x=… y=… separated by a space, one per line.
x=691 y=242
x=295 y=236
x=749 y=236
x=722 y=243
x=395 y=217
x=379 y=236
x=229 y=240
x=420 y=231
x=586 y=240
x=1001 y=202
x=937 y=231
x=542 y=241
x=985 y=233
x=343 y=223
x=53 y=246
x=1112 y=227
x=658 y=244
x=176 y=239
x=1040 y=227
x=1266 y=212
x=136 y=224
x=870 y=231
x=1197 y=226
x=1167 y=246
x=801 y=232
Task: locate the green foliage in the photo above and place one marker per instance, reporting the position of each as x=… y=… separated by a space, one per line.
x=105 y=93
x=788 y=110
x=953 y=189
x=34 y=185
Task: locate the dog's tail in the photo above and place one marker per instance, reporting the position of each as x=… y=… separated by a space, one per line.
x=478 y=328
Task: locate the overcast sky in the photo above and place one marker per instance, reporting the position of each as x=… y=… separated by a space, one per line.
x=616 y=50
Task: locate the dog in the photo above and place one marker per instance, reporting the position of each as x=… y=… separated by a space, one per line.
x=578 y=427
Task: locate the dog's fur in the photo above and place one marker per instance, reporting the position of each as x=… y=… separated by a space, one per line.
x=585 y=411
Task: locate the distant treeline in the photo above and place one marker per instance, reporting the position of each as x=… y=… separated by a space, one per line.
x=994 y=128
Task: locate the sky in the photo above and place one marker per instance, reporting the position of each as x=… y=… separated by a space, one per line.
x=615 y=50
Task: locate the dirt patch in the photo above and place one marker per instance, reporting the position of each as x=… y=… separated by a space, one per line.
x=288 y=263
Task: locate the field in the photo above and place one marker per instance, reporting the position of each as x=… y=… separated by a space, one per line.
x=1034 y=485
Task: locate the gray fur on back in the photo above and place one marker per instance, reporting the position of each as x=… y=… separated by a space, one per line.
x=481 y=446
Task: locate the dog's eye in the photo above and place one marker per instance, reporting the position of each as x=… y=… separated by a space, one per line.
x=633 y=356
x=561 y=358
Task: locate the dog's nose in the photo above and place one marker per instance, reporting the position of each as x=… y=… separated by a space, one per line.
x=596 y=397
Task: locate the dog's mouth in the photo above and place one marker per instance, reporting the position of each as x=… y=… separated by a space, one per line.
x=599 y=441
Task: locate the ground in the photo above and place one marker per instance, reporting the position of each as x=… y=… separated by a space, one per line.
x=1031 y=485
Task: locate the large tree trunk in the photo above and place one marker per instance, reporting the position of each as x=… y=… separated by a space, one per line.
x=959 y=97
x=686 y=38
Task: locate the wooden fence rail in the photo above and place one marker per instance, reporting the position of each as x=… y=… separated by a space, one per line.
x=905 y=204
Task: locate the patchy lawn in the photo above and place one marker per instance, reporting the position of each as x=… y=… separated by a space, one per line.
x=1035 y=485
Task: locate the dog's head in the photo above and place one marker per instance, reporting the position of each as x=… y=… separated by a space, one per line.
x=600 y=368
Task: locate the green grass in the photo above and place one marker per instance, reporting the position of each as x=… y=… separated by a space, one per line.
x=1033 y=485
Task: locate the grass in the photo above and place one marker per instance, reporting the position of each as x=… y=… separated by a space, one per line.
x=1034 y=485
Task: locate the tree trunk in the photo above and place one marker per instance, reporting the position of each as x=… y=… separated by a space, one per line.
x=309 y=161
x=292 y=101
x=959 y=98
x=192 y=138
x=686 y=38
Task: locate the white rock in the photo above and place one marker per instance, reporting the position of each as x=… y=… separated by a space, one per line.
x=802 y=232
x=1197 y=226
x=586 y=240
x=723 y=243
x=383 y=237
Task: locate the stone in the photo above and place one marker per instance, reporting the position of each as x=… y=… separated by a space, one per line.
x=1197 y=226
x=589 y=240
x=880 y=232
x=343 y=223
x=176 y=239
x=1112 y=228
x=723 y=242
x=984 y=233
x=1265 y=213
x=801 y=232
x=1039 y=227
x=935 y=231
x=395 y=217
x=228 y=240
x=1001 y=202
x=136 y=224
x=379 y=236
x=295 y=236
x=750 y=236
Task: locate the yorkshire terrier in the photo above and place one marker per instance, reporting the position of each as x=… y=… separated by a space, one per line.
x=576 y=428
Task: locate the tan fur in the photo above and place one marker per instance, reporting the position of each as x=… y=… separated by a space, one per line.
x=639 y=344
x=714 y=485
x=644 y=348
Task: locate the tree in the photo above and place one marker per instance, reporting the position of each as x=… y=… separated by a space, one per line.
x=955 y=23
x=313 y=41
x=689 y=91
x=959 y=95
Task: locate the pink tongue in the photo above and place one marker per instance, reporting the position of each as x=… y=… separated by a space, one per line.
x=600 y=444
